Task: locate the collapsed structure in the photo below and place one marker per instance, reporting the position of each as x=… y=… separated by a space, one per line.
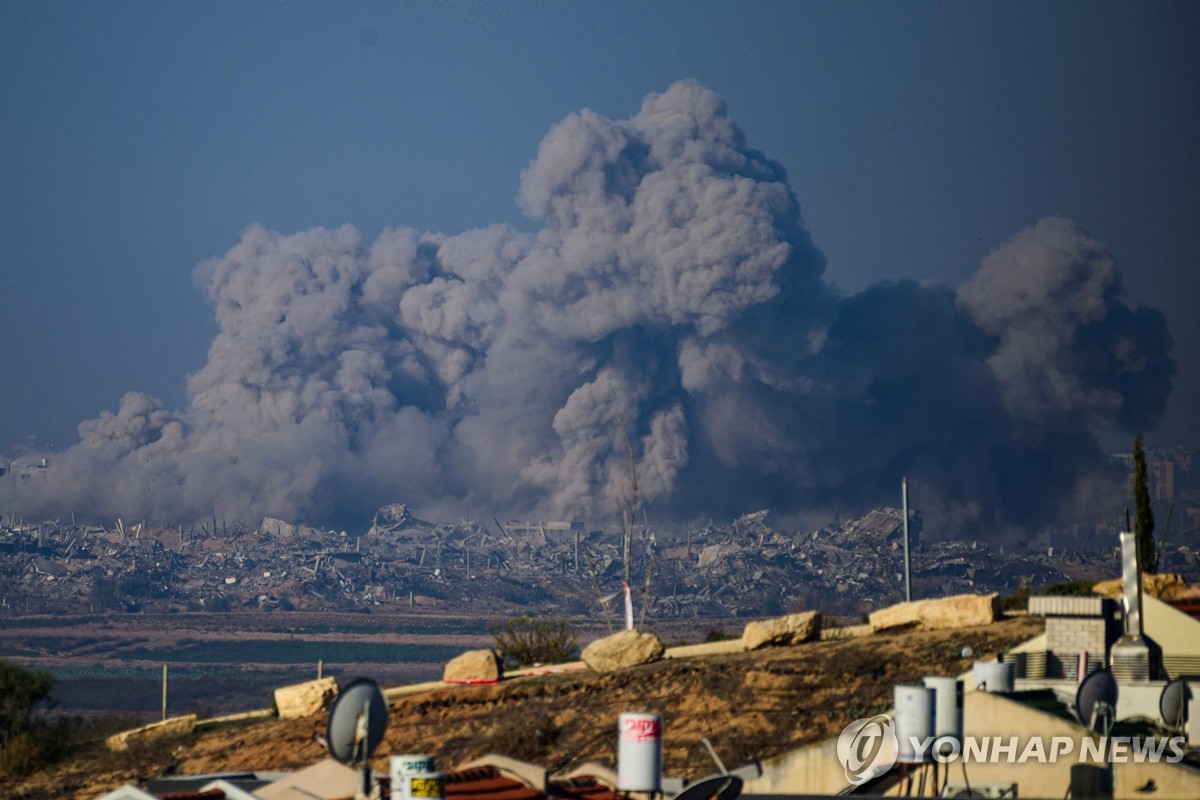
x=748 y=567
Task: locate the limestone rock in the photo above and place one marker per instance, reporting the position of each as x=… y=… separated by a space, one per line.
x=622 y=650
x=1166 y=586
x=305 y=699
x=782 y=631
x=176 y=726
x=473 y=666
x=958 y=611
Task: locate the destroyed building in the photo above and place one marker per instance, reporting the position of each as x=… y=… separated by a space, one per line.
x=748 y=567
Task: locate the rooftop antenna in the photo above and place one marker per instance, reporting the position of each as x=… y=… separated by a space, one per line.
x=357 y=721
x=904 y=515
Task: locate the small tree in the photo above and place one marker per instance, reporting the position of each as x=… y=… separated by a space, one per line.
x=21 y=690
x=23 y=745
x=525 y=641
x=627 y=509
x=1143 y=520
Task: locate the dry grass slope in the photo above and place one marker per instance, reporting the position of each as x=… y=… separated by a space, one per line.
x=750 y=705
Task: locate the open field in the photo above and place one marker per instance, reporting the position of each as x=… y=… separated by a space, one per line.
x=228 y=662
x=225 y=662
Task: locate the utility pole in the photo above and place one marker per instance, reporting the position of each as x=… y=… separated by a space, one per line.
x=904 y=513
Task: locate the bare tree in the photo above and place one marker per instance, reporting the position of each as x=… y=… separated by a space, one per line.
x=628 y=505
x=627 y=509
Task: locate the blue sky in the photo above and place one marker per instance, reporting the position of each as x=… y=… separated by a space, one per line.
x=138 y=139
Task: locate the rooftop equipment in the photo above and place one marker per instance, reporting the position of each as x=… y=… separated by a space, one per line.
x=1173 y=705
x=993 y=676
x=1131 y=657
x=947 y=711
x=1096 y=701
x=357 y=721
x=415 y=777
x=639 y=752
x=914 y=723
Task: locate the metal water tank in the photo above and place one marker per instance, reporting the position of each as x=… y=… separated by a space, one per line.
x=914 y=723
x=639 y=752
x=947 y=711
x=993 y=676
x=415 y=777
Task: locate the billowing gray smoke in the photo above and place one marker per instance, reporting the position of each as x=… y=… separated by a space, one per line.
x=671 y=307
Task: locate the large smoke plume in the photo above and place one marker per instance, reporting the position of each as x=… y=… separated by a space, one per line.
x=670 y=312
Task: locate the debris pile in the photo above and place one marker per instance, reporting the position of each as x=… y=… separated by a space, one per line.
x=747 y=568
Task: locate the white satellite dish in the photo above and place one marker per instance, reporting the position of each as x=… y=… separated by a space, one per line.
x=1096 y=701
x=357 y=721
x=1173 y=703
x=718 y=787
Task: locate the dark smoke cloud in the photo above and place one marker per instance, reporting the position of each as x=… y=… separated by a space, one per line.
x=672 y=304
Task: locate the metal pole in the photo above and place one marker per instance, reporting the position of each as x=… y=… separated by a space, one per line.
x=164 y=708
x=904 y=513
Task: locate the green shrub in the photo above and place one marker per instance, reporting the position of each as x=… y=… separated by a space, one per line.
x=526 y=641
x=1019 y=600
x=1071 y=588
x=24 y=745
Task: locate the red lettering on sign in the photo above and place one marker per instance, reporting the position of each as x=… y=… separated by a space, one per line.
x=643 y=730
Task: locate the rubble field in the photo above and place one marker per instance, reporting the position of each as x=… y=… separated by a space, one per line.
x=749 y=567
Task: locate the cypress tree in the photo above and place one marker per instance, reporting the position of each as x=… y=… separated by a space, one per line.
x=1143 y=520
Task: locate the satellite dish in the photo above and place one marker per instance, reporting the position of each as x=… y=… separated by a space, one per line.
x=1173 y=702
x=718 y=787
x=357 y=721
x=1096 y=701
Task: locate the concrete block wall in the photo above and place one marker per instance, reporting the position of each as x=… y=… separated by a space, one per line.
x=1075 y=624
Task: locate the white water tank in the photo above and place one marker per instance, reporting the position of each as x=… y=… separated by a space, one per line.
x=993 y=676
x=639 y=752
x=947 y=708
x=914 y=723
x=415 y=777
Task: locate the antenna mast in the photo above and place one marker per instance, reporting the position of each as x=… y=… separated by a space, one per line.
x=904 y=514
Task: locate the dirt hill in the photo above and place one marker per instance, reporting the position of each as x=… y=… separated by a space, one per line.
x=750 y=705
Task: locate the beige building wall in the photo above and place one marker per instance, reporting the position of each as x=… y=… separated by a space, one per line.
x=816 y=770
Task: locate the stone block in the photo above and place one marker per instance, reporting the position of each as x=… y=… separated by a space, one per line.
x=305 y=699
x=782 y=631
x=622 y=650
x=957 y=611
x=473 y=666
x=1166 y=586
x=175 y=726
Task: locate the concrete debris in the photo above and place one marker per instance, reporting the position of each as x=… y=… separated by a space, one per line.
x=747 y=568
